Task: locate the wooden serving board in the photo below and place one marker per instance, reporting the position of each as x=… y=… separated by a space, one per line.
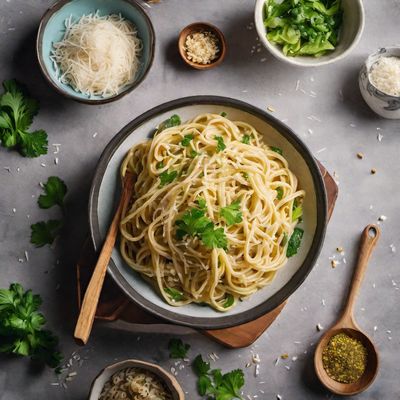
x=114 y=305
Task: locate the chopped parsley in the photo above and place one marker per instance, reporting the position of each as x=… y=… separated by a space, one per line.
x=177 y=349
x=232 y=213
x=216 y=385
x=17 y=111
x=279 y=193
x=297 y=213
x=167 y=177
x=223 y=114
x=193 y=154
x=194 y=223
x=229 y=300
x=246 y=139
x=294 y=242
x=277 y=150
x=175 y=295
x=220 y=143
x=201 y=203
x=186 y=140
x=160 y=165
x=174 y=120
x=55 y=191
x=43 y=233
x=21 y=327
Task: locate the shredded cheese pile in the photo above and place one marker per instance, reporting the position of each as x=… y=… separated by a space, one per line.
x=201 y=47
x=385 y=75
x=98 y=55
x=134 y=384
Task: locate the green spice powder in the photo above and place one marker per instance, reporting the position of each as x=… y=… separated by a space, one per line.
x=344 y=358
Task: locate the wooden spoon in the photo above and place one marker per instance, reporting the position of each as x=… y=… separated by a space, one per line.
x=89 y=305
x=347 y=325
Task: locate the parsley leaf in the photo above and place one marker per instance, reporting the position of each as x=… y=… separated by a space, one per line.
x=201 y=203
x=177 y=349
x=229 y=300
x=279 y=193
x=215 y=238
x=175 y=295
x=246 y=139
x=167 y=177
x=277 y=150
x=21 y=327
x=17 y=111
x=294 y=242
x=43 y=233
x=219 y=386
x=193 y=154
x=297 y=213
x=186 y=140
x=174 y=120
x=232 y=213
x=160 y=165
x=55 y=191
x=220 y=143
x=223 y=114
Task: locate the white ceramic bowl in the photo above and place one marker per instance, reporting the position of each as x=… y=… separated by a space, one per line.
x=106 y=373
x=383 y=104
x=350 y=33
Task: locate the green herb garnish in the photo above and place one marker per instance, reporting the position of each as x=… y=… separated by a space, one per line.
x=186 y=140
x=175 y=295
x=229 y=300
x=294 y=242
x=220 y=143
x=177 y=349
x=297 y=213
x=21 y=327
x=160 y=165
x=246 y=139
x=303 y=27
x=193 y=154
x=277 y=150
x=195 y=223
x=55 y=191
x=223 y=114
x=43 y=233
x=201 y=203
x=232 y=213
x=279 y=193
x=174 y=120
x=17 y=110
x=167 y=177
x=216 y=385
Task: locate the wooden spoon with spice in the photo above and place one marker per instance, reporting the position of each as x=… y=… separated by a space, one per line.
x=346 y=361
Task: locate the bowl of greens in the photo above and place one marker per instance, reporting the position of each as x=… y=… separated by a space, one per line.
x=309 y=33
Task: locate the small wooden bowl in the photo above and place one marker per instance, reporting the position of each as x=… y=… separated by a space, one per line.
x=202 y=27
x=105 y=374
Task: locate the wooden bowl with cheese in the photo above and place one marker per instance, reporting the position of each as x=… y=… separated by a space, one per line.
x=202 y=46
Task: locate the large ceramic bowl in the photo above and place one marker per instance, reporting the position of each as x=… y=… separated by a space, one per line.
x=52 y=29
x=105 y=194
x=381 y=103
x=349 y=35
x=170 y=382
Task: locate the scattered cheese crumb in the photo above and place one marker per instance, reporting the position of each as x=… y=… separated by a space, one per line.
x=319 y=327
x=382 y=218
x=271 y=109
x=360 y=156
x=202 y=47
x=373 y=171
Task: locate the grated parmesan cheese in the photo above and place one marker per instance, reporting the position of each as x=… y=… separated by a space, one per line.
x=385 y=75
x=98 y=55
x=201 y=47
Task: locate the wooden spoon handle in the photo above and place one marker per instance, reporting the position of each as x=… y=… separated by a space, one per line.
x=89 y=305
x=369 y=238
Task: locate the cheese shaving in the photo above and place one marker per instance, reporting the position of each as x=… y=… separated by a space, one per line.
x=202 y=47
x=99 y=55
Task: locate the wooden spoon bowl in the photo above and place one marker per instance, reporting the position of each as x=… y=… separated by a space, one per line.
x=347 y=325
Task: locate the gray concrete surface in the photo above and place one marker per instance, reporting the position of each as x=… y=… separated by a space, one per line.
x=344 y=126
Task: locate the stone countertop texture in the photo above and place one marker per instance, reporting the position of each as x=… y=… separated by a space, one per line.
x=326 y=111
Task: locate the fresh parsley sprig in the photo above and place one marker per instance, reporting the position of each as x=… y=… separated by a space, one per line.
x=294 y=242
x=174 y=120
x=55 y=190
x=232 y=213
x=221 y=146
x=21 y=327
x=216 y=385
x=177 y=349
x=45 y=232
x=17 y=111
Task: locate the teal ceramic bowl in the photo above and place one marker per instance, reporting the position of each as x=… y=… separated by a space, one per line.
x=52 y=29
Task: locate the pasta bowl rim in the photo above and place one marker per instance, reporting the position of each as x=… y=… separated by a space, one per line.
x=52 y=10
x=220 y=321
x=170 y=381
x=298 y=61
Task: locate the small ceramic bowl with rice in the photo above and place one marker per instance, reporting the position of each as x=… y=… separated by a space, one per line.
x=131 y=379
x=95 y=51
x=379 y=81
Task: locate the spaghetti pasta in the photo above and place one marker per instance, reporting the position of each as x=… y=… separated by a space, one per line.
x=212 y=211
